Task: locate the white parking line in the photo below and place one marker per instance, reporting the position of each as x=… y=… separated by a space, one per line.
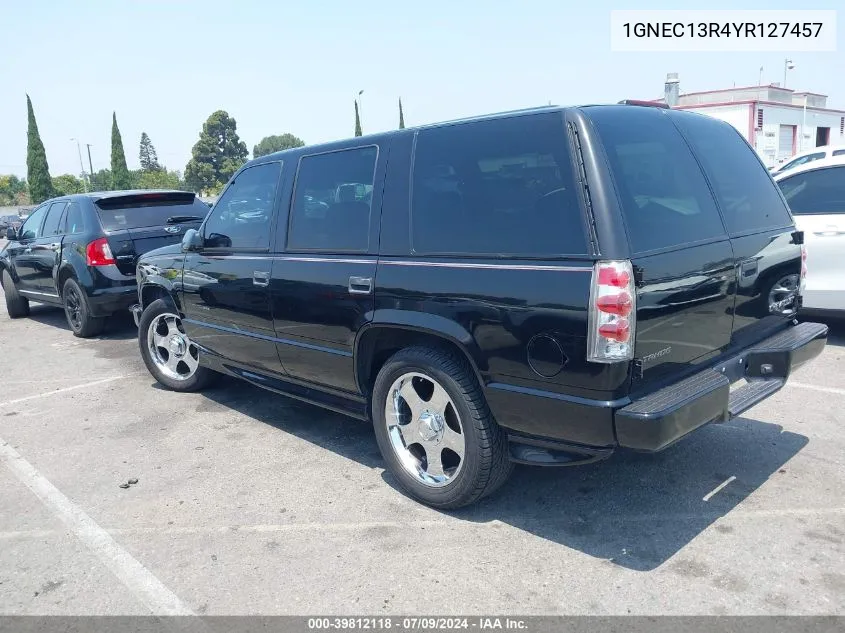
x=62 y=390
x=137 y=578
x=721 y=486
x=804 y=385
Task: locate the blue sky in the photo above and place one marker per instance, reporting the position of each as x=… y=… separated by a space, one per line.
x=297 y=66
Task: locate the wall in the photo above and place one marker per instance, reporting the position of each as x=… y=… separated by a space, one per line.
x=765 y=140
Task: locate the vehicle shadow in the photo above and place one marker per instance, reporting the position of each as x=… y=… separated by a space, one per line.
x=119 y=326
x=635 y=510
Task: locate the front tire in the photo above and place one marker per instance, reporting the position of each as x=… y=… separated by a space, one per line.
x=168 y=353
x=78 y=312
x=435 y=430
x=16 y=305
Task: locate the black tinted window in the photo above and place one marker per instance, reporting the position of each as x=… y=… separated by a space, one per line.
x=74 y=220
x=839 y=152
x=499 y=187
x=54 y=216
x=241 y=218
x=31 y=228
x=665 y=198
x=744 y=190
x=145 y=210
x=818 y=191
x=331 y=205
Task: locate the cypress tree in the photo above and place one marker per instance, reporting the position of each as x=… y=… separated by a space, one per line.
x=37 y=170
x=358 y=131
x=401 y=116
x=147 y=154
x=119 y=171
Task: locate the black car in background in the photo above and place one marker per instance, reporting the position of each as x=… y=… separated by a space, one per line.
x=80 y=251
x=9 y=221
x=543 y=287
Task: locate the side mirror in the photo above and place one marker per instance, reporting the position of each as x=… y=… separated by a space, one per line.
x=191 y=241
x=11 y=234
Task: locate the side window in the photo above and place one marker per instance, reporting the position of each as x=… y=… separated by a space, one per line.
x=31 y=228
x=242 y=216
x=332 y=200
x=665 y=199
x=74 y=220
x=818 y=191
x=804 y=159
x=499 y=187
x=744 y=190
x=54 y=216
x=838 y=152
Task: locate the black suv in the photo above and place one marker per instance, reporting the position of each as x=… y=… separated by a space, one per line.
x=541 y=286
x=80 y=251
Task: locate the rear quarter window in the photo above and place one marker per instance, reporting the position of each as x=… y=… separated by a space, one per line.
x=746 y=193
x=665 y=198
x=496 y=188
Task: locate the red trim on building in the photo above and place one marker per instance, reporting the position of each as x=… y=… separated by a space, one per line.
x=794 y=139
x=764 y=87
x=768 y=103
x=752 y=137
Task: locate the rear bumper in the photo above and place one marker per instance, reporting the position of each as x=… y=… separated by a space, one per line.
x=658 y=419
x=107 y=301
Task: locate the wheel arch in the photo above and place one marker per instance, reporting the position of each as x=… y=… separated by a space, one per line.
x=389 y=333
x=157 y=288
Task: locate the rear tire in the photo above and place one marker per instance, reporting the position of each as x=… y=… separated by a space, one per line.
x=78 y=312
x=168 y=353
x=16 y=305
x=444 y=455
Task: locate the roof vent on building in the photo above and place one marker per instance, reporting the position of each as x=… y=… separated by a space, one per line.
x=671 y=89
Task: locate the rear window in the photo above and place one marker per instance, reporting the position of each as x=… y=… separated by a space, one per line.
x=135 y=212
x=502 y=187
x=818 y=191
x=746 y=194
x=665 y=198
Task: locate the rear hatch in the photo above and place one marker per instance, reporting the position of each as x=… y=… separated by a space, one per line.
x=709 y=235
x=138 y=222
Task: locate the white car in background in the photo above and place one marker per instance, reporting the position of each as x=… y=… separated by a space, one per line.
x=809 y=156
x=815 y=192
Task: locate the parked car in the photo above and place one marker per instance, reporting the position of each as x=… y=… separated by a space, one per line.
x=9 y=221
x=80 y=251
x=542 y=286
x=809 y=156
x=816 y=195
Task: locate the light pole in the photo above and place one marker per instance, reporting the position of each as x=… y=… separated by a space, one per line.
x=787 y=65
x=361 y=108
x=81 y=166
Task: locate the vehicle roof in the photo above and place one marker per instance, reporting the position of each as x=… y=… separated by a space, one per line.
x=94 y=196
x=374 y=138
x=814 y=150
x=821 y=163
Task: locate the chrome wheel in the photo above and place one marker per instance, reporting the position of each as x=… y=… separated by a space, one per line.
x=425 y=429
x=782 y=295
x=170 y=348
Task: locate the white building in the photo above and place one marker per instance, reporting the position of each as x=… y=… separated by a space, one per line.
x=778 y=122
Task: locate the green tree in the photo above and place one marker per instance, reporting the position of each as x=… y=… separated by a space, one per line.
x=12 y=189
x=157 y=179
x=147 y=154
x=119 y=171
x=101 y=180
x=37 y=170
x=270 y=144
x=401 y=116
x=67 y=184
x=358 y=130
x=217 y=154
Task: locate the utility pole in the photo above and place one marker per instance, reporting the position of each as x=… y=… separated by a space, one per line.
x=81 y=166
x=90 y=164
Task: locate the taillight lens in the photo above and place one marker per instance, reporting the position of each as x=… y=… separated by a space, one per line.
x=612 y=317
x=803 y=269
x=98 y=253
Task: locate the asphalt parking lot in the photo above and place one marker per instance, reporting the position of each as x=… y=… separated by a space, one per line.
x=251 y=503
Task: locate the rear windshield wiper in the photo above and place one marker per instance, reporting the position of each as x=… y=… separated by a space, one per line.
x=176 y=219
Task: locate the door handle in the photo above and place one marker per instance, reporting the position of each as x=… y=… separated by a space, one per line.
x=360 y=285
x=55 y=246
x=260 y=278
x=831 y=230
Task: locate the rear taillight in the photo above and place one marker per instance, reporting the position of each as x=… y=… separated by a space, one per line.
x=803 y=270
x=612 y=313
x=98 y=253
